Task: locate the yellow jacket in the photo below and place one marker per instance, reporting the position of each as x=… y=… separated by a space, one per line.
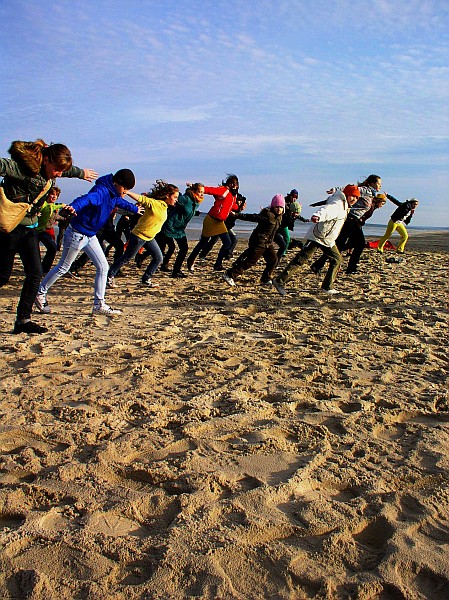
x=150 y=223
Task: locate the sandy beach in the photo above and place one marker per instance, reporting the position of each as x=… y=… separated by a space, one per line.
x=230 y=443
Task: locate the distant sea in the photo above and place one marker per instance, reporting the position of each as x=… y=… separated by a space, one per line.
x=244 y=228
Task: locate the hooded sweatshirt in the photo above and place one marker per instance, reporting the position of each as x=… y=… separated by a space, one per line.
x=93 y=209
x=332 y=216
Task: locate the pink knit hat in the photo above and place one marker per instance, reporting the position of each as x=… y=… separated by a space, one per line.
x=278 y=200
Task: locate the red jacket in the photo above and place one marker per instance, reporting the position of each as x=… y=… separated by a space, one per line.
x=224 y=202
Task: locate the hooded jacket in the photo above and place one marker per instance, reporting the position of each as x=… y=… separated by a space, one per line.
x=331 y=218
x=93 y=209
x=268 y=223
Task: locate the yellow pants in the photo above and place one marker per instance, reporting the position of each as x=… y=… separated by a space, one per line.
x=391 y=227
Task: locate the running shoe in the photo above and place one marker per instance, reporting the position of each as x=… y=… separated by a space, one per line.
x=41 y=304
x=279 y=287
x=104 y=309
x=228 y=279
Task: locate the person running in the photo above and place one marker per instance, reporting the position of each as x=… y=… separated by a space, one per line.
x=156 y=202
x=326 y=225
x=174 y=228
x=33 y=166
x=399 y=219
x=351 y=237
x=260 y=243
x=230 y=223
x=283 y=238
x=215 y=221
x=91 y=212
x=45 y=231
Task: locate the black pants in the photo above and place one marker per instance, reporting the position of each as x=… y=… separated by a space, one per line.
x=24 y=242
x=169 y=243
x=250 y=257
x=51 y=247
x=213 y=240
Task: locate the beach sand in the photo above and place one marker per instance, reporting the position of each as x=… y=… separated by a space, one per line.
x=230 y=443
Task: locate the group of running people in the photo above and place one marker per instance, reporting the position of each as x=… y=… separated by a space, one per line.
x=156 y=221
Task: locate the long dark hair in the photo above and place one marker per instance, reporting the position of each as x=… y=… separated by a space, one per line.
x=370 y=180
x=162 y=190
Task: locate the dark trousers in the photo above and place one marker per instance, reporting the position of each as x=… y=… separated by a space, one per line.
x=250 y=257
x=351 y=236
x=51 y=247
x=297 y=261
x=24 y=242
x=213 y=240
x=226 y=244
x=169 y=243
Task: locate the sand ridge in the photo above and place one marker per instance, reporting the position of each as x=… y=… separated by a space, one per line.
x=217 y=442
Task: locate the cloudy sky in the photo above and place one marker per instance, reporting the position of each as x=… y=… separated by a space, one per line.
x=284 y=93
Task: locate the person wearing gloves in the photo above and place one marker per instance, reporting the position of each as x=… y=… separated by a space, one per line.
x=399 y=219
x=260 y=242
x=323 y=232
x=91 y=212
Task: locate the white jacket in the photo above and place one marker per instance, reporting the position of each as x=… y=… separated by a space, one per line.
x=332 y=216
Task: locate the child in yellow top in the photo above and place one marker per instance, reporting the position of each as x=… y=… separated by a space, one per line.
x=156 y=203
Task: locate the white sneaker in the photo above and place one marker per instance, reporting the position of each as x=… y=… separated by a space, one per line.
x=40 y=302
x=149 y=283
x=110 y=283
x=331 y=292
x=268 y=283
x=228 y=279
x=279 y=288
x=104 y=309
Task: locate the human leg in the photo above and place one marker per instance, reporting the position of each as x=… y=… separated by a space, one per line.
x=271 y=260
x=208 y=247
x=73 y=243
x=95 y=252
x=28 y=250
x=113 y=238
x=51 y=248
x=357 y=243
x=195 y=252
x=183 y=248
x=245 y=261
x=297 y=261
x=383 y=240
x=334 y=256
x=134 y=245
x=157 y=258
x=401 y=229
x=226 y=244
x=279 y=239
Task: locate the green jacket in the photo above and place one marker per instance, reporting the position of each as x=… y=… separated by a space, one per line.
x=20 y=187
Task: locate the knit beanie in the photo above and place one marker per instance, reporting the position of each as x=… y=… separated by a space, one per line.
x=381 y=197
x=295 y=207
x=294 y=193
x=351 y=190
x=125 y=177
x=278 y=200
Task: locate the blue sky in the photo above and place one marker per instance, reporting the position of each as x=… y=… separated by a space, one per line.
x=283 y=93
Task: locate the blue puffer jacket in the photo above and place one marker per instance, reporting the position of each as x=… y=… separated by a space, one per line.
x=179 y=216
x=93 y=209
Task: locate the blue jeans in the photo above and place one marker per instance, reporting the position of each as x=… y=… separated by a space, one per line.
x=73 y=243
x=48 y=241
x=134 y=245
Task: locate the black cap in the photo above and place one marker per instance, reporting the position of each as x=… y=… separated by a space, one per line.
x=125 y=177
